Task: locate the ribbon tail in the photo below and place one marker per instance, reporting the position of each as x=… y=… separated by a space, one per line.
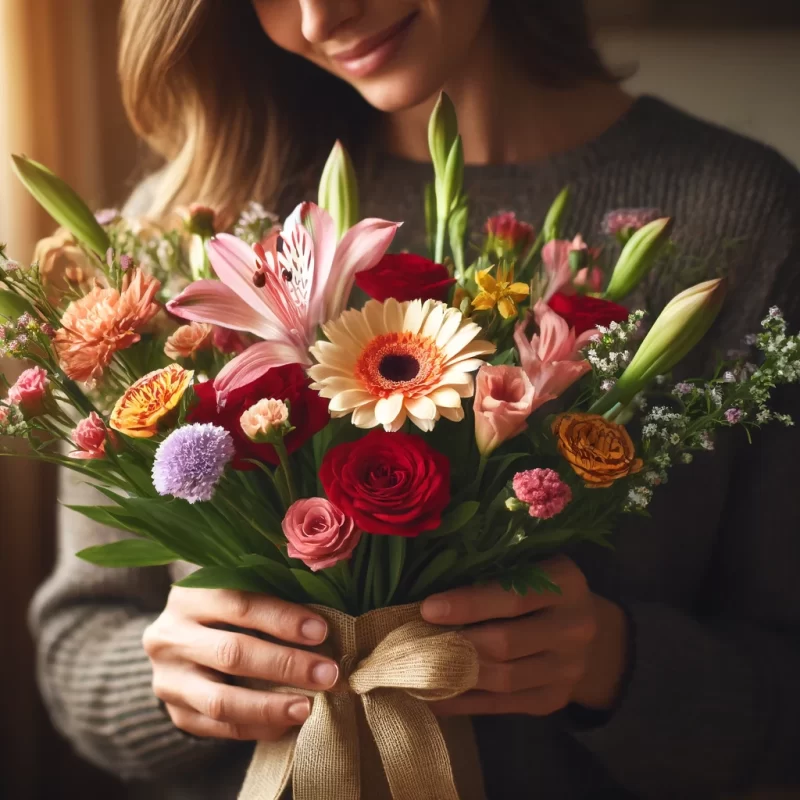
x=412 y=747
x=326 y=761
x=270 y=769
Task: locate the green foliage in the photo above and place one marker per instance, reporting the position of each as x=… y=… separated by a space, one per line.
x=531 y=578
x=241 y=579
x=128 y=553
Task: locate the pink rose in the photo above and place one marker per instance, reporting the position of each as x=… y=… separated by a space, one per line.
x=30 y=391
x=504 y=399
x=89 y=437
x=318 y=533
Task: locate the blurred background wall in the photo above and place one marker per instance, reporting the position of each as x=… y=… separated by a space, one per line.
x=736 y=62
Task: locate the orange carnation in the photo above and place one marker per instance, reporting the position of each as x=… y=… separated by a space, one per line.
x=599 y=451
x=138 y=412
x=103 y=322
x=189 y=339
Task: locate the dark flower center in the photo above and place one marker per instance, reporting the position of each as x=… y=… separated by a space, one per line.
x=399 y=368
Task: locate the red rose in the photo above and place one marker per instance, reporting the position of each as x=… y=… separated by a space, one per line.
x=309 y=411
x=405 y=276
x=584 y=313
x=391 y=483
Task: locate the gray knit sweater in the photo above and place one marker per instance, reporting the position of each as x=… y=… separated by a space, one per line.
x=711 y=706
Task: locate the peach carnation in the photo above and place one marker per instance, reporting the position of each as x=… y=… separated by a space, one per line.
x=189 y=340
x=103 y=322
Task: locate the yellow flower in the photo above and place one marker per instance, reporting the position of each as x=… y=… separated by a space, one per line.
x=501 y=292
x=138 y=412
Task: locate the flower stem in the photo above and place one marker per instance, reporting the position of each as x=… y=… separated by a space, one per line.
x=283 y=457
x=441 y=228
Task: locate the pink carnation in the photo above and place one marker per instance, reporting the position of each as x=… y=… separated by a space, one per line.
x=89 y=437
x=318 y=533
x=543 y=490
x=29 y=391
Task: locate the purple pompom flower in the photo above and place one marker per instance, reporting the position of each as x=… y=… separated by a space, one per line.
x=190 y=461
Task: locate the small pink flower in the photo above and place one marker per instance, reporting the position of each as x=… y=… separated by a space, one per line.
x=318 y=533
x=543 y=490
x=30 y=391
x=507 y=234
x=504 y=399
x=625 y=221
x=734 y=415
x=89 y=437
x=228 y=341
x=551 y=359
x=265 y=420
x=555 y=258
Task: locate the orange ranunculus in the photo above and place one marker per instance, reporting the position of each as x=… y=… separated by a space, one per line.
x=188 y=340
x=138 y=412
x=599 y=451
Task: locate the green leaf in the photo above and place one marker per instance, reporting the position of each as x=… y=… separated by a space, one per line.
x=506 y=357
x=529 y=578
x=277 y=576
x=440 y=564
x=320 y=590
x=62 y=203
x=129 y=553
x=243 y=580
x=13 y=306
x=397 y=557
x=456 y=519
x=500 y=474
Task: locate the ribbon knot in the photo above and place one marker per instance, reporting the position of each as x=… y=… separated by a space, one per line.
x=391 y=662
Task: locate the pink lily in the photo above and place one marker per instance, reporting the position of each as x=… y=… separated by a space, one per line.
x=284 y=291
x=551 y=359
x=555 y=257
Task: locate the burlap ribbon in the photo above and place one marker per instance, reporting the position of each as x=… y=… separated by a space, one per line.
x=373 y=735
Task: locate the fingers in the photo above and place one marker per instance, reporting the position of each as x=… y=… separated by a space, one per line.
x=289 y=622
x=204 y=693
x=536 y=702
x=560 y=629
x=199 y=725
x=245 y=656
x=532 y=672
x=472 y=604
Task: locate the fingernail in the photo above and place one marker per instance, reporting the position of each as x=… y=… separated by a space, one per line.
x=435 y=608
x=325 y=674
x=299 y=710
x=314 y=630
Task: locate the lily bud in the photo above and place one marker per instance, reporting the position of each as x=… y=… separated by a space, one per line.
x=430 y=215
x=442 y=132
x=637 y=257
x=338 y=190
x=680 y=326
x=552 y=222
x=62 y=203
x=453 y=179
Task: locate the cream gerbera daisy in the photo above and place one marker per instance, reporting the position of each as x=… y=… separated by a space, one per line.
x=391 y=361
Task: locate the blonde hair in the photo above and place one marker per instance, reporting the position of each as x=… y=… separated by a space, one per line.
x=237 y=119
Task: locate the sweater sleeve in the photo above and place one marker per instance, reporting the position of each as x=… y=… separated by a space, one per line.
x=712 y=703
x=93 y=672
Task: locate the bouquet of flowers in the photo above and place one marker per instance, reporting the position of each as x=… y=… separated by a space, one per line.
x=297 y=412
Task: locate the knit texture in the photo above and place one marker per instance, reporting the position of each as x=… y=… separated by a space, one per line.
x=712 y=703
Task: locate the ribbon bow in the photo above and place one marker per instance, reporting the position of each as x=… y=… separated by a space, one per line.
x=398 y=663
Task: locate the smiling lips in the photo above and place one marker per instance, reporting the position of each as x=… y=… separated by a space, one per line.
x=371 y=54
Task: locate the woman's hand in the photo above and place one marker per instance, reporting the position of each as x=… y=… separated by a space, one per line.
x=540 y=652
x=191 y=659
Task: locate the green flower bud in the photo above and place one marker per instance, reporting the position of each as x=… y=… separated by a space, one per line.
x=637 y=257
x=453 y=179
x=552 y=222
x=680 y=326
x=62 y=203
x=338 y=190
x=442 y=132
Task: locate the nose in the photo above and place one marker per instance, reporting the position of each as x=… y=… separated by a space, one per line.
x=320 y=18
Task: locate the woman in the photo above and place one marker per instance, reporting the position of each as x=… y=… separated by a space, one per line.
x=666 y=669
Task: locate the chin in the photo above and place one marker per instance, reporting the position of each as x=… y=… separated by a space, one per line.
x=398 y=92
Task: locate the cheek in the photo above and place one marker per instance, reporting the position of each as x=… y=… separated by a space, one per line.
x=282 y=21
